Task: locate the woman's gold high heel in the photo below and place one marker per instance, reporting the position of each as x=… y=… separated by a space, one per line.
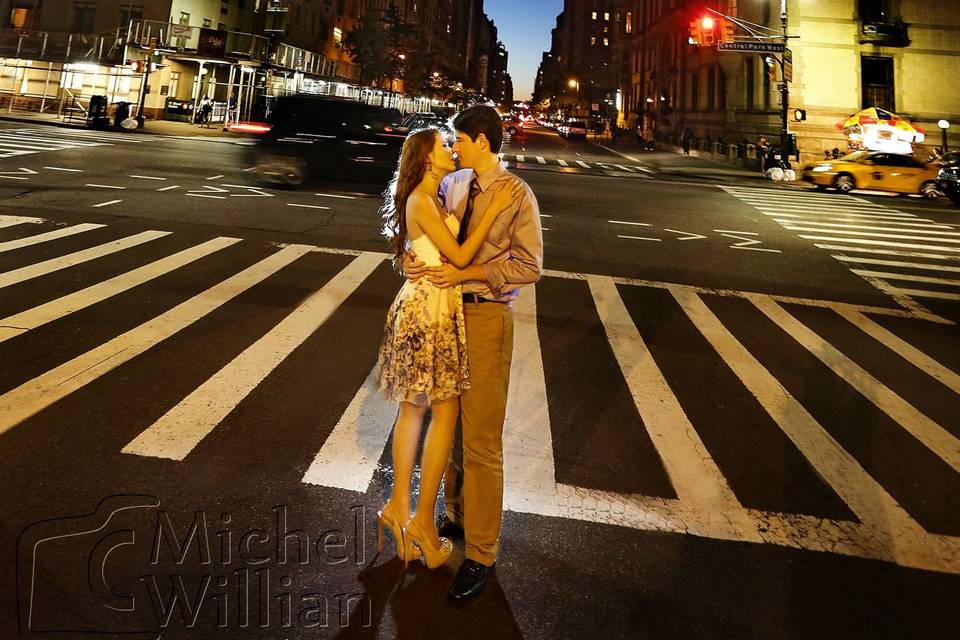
x=432 y=557
x=386 y=517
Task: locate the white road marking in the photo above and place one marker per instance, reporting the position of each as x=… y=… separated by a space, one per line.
x=528 y=468
x=794 y=227
x=898 y=263
x=562 y=162
x=173 y=186
x=205 y=195
x=742 y=233
x=885 y=252
x=64 y=169
x=215 y=177
x=905 y=276
x=177 y=432
x=544 y=228
x=148 y=177
x=638 y=224
x=106 y=204
x=333 y=195
x=19 y=243
x=694 y=475
x=687 y=235
x=639 y=238
x=521 y=158
x=39 y=393
x=932 y=435
x=541 y=160
x=249 y=169
x=882 y=243
x=104 y=186
x=37 y=269
x=806 y=219
x=11 y=221
x=545 y=215
x=55 y=309
x=869 y=227
x=747 y=244
x=916 y=293
x=860 y=212
x=306 y=206
x=583 y=164
x=896 y=535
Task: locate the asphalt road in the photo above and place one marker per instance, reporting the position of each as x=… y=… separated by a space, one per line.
x=734 y=405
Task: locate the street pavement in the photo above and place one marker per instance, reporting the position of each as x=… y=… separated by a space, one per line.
x=733 y=407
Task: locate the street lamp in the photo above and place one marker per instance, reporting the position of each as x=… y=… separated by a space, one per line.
x=944 y=125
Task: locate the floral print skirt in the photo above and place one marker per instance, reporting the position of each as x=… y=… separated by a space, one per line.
x=423 y=356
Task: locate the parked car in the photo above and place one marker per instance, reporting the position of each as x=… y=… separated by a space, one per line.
x=892 y=172
x=948 y=180
x=327 y=138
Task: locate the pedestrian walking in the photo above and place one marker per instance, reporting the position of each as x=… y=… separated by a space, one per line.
x=685 y=137
x=762 y=149
x=206 y=107
x=511 y=256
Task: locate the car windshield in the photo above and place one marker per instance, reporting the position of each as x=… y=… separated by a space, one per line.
x=856 y=156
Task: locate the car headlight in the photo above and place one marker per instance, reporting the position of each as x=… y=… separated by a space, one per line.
x=820 y=168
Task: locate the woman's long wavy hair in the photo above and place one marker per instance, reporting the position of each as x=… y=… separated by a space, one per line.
x=414 y=159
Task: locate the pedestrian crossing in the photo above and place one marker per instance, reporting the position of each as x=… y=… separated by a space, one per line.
x=528 y=161
x=729 y=415
x=27 y=141
x=902 y=254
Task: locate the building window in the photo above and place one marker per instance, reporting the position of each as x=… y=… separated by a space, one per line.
x=174 y=82
x=207 y=22
x=606 y=42
x=130 y=12
x=751 y=67
x=628 y=23
x=877 y=81
x=337 y=37
x=606 y=16
x=593 y=16
x=224 y=7
x=711 y=88
x=593 y=40
x=695 y=91
x=83 y=15
x=184 y=17
x=874 y=10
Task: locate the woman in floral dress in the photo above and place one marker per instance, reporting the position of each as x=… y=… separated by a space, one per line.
x=423 y=357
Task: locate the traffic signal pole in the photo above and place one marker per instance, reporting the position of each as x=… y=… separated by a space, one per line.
x=786 y=149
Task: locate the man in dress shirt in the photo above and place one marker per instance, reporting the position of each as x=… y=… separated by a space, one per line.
x=512 y=255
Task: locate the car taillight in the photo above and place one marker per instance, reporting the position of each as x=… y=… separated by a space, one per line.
x=249 y=127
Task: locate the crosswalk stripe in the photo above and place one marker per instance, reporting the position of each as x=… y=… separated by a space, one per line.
x=521 y=158
x=541 y=160
x=39 y=393
x=885 y=252
x=904 y=349
x=583 y=164
x=39 y=238
x=882 y=243
x=836 y=211
x=528 y=469
x=61 y=142
x=865 y=234
x=24 y=321
x=918 y=293
x=871 y=503
x=562 y=162
x=31 y=146
x=805 y=218
x=78 y=257
x=12 y=221
x=866 y=273
x=176 y=433
x=695 y=476
x=898 y=263
x=932 y=435
x=835 y=225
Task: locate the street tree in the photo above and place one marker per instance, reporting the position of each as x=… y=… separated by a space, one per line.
x=369 y=46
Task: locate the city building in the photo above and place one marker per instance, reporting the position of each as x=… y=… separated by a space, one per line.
x=847 y=55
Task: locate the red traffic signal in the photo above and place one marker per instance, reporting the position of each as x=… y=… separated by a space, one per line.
x=695 y=34
x=708 y=35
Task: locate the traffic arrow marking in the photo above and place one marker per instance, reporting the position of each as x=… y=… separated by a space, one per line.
x=17 y=175
x=689 y=236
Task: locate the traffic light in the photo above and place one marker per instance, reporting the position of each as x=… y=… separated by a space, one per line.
x=138 y=66
x=726 y=31
x=800 y=115
x=695 y=35
x=708 y=35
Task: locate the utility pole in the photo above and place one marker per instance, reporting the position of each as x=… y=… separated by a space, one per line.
x=785 y=144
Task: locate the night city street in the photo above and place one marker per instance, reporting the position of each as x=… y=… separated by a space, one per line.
x=717 y=428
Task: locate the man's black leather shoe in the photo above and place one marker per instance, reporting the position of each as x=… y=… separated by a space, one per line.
x=447 y=528
x=469 y=582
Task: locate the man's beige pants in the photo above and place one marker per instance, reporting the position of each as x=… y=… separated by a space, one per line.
x=473 y=483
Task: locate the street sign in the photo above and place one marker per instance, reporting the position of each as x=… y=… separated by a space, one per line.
x=788 y=66
x=753 y=47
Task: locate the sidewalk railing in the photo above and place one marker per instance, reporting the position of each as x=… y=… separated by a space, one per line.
x=55 y=46
x=170 y=37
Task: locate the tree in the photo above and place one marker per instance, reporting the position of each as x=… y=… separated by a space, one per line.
x=369 y=47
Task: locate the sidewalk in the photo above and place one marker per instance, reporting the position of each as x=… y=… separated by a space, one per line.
x=157 y=127
x=671 y=161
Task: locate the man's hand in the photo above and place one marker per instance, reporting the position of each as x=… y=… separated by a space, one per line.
x=444 y=276
x=413 y=269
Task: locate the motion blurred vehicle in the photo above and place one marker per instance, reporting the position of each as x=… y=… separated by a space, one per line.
x=893 y=172
x=948 y=178
x=323 y=138
x=513 y=125
x=573 y=129
x=421 y=120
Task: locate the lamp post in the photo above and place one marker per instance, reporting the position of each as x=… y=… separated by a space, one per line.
x=575 y=84
x=944 y=125
x=785 y=142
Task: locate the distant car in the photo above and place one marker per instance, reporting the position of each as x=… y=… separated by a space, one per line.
x=948 y=179
x=892 y=172
x=512 y=125
x=576 y=129
x=315 y=137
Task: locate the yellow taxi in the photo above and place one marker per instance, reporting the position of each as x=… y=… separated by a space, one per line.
x=879 y=171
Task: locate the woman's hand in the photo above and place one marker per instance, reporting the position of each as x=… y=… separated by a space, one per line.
x=505 y=197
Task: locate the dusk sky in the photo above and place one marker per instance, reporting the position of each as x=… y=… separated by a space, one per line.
x=524 y=27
